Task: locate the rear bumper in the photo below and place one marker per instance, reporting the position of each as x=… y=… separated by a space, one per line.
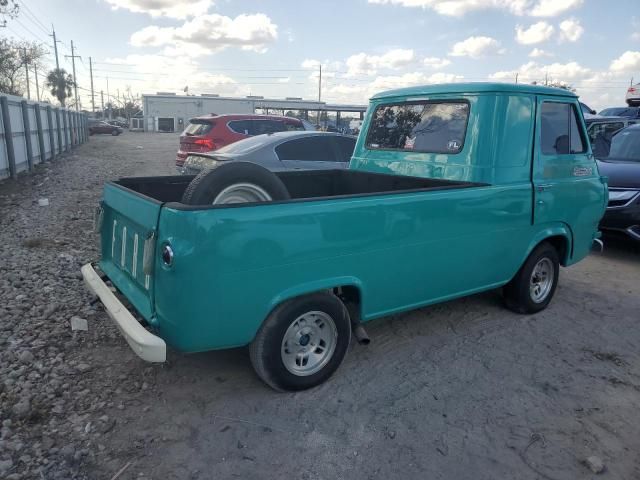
x=146 y=345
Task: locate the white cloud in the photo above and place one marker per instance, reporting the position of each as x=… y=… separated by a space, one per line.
x=551 y=8
x=164 y=8
x=344 y=92
x=537 y=52
x=535 y=8
x=536 y=33
x=436 y=63
x=629 y=61
x=162 y=73
x=476 y=47
x=213 y=32
x=535 y=72
x=364 y=64
x=571 y=30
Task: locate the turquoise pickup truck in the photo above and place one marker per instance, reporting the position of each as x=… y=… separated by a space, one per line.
x=452 y=190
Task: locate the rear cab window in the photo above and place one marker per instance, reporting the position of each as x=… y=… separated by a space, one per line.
x=422 y=126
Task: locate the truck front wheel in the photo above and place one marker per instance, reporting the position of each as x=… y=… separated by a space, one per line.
x=532 y=288
x=302 y=342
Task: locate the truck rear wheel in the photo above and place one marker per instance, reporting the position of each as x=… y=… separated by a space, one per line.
x=302 y=342
x=534 y=285
x=235 y=182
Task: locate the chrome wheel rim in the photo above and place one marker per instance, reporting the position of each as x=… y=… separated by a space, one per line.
x=309 y=343
x=242 y=193
x=541 y=280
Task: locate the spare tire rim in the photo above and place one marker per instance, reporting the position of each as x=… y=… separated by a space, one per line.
x=242 y=193
x=309 y=343
x=541 y=280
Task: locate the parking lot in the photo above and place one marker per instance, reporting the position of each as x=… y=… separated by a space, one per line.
x=465 y=389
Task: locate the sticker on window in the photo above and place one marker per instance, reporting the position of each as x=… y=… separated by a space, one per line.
x=453 y=145
x=409 y=143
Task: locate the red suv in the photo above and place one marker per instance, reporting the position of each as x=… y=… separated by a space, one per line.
x=205 y=134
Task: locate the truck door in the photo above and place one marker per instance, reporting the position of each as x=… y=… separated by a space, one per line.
x=567 y=186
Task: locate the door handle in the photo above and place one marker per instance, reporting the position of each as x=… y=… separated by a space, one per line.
x=543 y=187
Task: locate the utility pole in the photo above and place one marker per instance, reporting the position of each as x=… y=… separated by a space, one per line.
x=109 y=99
x=102 y=101
x=319 y=91
x=93 y=103
x=26 y=71
x=35 y=72
x=55 y=46
x=516 y=78
x=75 y=79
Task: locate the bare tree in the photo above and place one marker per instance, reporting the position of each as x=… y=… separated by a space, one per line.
x=13 y=57
x=8 y=9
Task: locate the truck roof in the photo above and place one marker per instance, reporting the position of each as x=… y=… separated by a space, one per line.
x=475 y=87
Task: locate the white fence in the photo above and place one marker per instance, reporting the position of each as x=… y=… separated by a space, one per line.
x=32 y=133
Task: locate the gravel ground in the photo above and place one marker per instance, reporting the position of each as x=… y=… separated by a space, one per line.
x=462 y=390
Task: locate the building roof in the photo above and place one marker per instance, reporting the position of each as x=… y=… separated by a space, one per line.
x=475 y=87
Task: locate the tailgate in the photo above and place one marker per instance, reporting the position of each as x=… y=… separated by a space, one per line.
x=127 y=237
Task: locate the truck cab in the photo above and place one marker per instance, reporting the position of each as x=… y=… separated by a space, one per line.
x=452 y=190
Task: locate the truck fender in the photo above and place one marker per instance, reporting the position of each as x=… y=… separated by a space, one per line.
x=552 y=230
x=316 y=286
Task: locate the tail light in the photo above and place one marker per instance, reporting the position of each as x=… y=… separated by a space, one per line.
x=205 y=142
x=631 y=90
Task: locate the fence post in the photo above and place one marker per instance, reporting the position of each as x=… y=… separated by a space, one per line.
x=52 y=142
x=59 y=131
x=27 y=133
x=8 y=136
x=65 y=122
x=76 y=130
x=43 y=155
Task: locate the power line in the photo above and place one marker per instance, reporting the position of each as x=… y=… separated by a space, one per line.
x=37 y=21
x=37 y=37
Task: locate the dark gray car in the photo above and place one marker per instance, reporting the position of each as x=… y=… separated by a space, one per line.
x=296 y=150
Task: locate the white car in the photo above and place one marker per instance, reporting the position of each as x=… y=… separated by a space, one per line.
x=633 y=95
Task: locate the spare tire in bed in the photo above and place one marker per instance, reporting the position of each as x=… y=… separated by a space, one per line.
x=235 y=182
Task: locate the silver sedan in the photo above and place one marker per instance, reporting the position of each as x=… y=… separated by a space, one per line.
x=299 y=150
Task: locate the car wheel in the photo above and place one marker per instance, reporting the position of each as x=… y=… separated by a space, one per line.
x=235 y=182
x=115 y=133
x=534 y=285
x=302 y=342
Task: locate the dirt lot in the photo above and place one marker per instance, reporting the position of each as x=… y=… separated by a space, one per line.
x=463 y=390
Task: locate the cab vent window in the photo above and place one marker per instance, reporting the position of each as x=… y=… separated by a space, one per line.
x=433 y=127
x=560 y=131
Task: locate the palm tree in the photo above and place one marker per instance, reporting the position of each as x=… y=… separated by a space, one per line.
x=60 y=83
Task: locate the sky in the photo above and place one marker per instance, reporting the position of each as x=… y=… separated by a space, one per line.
x=274 y=47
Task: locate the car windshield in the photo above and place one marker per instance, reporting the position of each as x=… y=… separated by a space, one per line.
x=625 y=146
x=245 y=146
x=619 y=112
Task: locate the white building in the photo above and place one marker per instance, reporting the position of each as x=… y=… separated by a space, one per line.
x=170 y=112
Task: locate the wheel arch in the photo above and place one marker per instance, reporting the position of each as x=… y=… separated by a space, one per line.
x=560 y=236
x=348 y=289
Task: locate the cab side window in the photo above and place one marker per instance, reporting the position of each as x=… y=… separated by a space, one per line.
x=560 y=132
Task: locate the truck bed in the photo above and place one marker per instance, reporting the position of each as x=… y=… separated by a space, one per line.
x=302 y=185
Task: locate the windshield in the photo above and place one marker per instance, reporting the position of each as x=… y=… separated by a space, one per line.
x=244 y=146
x=625 y=145
x=619 y=112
